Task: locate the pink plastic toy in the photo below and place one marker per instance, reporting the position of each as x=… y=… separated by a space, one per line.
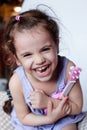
x=74 y=75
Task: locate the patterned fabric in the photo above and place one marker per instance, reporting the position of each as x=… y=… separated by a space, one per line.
x=5 y=122
x=83 y=124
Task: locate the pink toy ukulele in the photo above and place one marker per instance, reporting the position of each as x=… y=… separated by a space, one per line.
x=74 y=75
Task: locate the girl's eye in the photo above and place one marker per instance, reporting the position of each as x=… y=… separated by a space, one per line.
x=27 y=55
x=46 y=49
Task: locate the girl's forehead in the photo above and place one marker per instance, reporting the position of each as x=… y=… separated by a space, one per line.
x=33 y=32
x=31 y=37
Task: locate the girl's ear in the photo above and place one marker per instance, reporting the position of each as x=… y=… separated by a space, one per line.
x=17 y=61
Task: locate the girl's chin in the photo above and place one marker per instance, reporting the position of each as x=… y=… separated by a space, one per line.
x=43 y=79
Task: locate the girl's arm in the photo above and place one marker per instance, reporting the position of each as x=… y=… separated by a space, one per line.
x=75 y=95
x=52 y=115
x=26 y=116
x=76 y=98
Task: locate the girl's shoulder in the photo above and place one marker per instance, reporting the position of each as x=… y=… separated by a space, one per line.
x=15 y=83
x=14 y=79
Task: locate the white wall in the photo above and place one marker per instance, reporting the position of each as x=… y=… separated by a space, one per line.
x=73 y=44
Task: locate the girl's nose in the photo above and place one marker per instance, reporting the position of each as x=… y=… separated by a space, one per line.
x=39 y=59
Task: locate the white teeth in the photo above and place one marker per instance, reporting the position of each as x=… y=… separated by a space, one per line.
x=42 y=69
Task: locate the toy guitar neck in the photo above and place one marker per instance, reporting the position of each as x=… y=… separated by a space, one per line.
x=67 y=88
x=74 y=75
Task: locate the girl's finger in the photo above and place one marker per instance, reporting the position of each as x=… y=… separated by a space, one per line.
x=63 y=101
x=49 y=107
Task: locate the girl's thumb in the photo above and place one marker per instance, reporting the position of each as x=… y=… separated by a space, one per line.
x=63 y=101
x=49 y=108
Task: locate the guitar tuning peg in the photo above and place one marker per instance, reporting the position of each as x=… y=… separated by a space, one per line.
x=77 y=77
x=71 y=67
x=75 y=72
x=73 y=77
x=79 y=71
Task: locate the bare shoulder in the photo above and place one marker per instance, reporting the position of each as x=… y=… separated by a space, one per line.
x=15 y=84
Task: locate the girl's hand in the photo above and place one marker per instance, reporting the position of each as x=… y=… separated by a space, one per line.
x=38 y=99
x=60 y=111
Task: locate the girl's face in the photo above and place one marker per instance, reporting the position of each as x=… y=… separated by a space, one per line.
x=37 y=53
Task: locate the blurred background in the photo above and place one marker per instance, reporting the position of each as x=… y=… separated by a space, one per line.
x=8 y=8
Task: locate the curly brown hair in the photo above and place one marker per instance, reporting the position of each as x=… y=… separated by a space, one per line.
x=27 y=21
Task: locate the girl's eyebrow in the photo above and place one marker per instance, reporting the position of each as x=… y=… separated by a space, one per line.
x=24 y=53
x=47 y=45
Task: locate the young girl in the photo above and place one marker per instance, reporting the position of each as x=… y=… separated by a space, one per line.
x=32 y=47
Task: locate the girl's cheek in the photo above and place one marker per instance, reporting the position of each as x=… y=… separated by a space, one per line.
x=28 y=63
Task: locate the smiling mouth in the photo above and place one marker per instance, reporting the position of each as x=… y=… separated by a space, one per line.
x=42 y=69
